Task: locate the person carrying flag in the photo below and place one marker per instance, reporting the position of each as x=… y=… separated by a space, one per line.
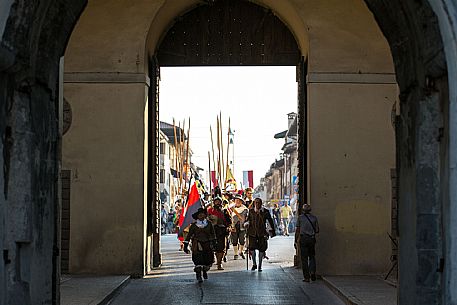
x=257 y=231
x=203 y=238
x=221 y=221
x=238 y=233
x=185 y=217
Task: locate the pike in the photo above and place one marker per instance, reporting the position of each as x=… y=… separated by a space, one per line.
x=179 y=159
x=187 y=150
x=182 y=138
x=228 y=148
x=176 y=151
x=212 y=148
x=218 y=153
x=222 y=150
x=209 y=171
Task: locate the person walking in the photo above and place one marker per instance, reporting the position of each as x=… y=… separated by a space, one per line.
x=305 y=236
x=203 y=238
x=238 y=232
x=286 y=212
x=277 y=217
x=221 y=221
x=257 y=231
x=248 y=192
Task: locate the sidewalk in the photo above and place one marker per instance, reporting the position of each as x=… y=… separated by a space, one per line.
x=362 y=290
x=89 y=290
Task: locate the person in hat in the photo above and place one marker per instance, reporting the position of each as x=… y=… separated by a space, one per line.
x=257 y=231
x=226 y=207
x=238 y=233
x=248 y=199
x=305 y=236
x=221 y=221
x=203 y=238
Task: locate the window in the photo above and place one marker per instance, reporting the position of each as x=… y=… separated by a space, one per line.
x=162 y=148
x=162 y=176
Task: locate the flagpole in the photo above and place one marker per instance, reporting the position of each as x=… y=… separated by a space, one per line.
x=209 y=171
x=181 y=229
x=187 y=150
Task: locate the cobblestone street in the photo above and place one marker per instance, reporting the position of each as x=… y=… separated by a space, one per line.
x=174 y=282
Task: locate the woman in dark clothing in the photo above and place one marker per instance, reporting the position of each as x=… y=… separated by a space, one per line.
x=203 y=238
x=257 y=231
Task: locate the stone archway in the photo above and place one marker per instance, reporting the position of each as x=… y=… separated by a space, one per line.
x=424 y=47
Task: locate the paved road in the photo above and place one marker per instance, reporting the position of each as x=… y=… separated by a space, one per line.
x=174 y=282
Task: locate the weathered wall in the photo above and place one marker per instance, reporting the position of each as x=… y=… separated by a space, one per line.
x=32 y=40
x=446 y=11
x=412 y=30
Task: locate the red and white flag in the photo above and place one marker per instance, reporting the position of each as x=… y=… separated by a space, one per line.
x=248 y=179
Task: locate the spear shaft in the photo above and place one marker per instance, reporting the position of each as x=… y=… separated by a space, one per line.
x=212 y=148
x=176 y=145
x=182 y=143
x=223 y=170
x=218 y=153
x=188 y=150
x=210 y=178
x=228 y=148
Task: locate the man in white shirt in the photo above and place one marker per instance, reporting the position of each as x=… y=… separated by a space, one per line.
x=239 y=214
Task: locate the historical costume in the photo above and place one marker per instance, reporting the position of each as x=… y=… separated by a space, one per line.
x=257 y=231
x=221 y=221
x=238 y=232
x=248 y=197
x=203 y=238
x=305 y=236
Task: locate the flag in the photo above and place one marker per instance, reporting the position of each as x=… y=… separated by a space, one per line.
x=230 y=180
x=192 y=206
x=248 y=179
x=213 y=178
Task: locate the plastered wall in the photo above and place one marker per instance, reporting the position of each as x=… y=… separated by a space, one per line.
x=351 y=88
x=104 y=150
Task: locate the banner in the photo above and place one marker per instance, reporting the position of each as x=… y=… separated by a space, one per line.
x=214 y=179
x=230 y=183
x=192 y=206
x=248 y=179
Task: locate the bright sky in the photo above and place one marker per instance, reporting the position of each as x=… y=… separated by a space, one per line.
x=257 y=99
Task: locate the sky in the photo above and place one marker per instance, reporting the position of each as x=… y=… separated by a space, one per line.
x=257 y=100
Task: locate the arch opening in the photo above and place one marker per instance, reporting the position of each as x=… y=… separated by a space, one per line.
x=421 y=72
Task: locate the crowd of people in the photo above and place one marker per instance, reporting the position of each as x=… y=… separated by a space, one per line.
x=244 y=224
x=283 y=216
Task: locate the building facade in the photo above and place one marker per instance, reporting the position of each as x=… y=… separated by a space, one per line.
x=358 y=60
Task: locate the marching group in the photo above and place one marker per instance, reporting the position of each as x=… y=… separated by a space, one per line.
x=247 y=225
